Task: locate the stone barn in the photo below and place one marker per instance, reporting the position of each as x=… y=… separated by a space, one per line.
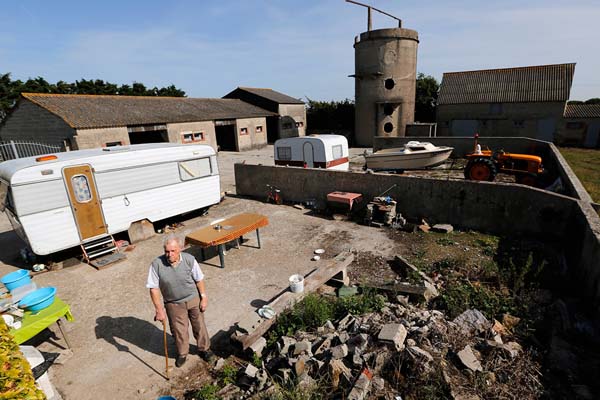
x=89 y=121
x=290 y=120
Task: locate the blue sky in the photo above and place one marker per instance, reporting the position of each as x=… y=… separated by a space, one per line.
x=302 y=48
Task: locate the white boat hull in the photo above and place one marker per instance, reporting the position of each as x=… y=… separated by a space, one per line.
x=389 y=160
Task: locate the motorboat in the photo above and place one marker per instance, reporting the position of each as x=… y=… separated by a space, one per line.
x=413 y=155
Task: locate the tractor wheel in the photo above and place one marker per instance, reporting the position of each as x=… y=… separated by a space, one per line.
x=481 y=169
x=527 y=179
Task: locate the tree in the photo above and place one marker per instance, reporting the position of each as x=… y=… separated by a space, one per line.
x=595 y=100
x=426 y=98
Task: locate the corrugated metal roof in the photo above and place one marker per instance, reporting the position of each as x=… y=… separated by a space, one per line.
x=508 y=85
x=99 y=111
x=582 y=111
x=272 y=95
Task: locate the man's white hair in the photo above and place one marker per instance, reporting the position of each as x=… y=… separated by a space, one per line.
x=173 y=238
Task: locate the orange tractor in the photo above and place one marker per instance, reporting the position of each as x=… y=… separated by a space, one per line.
x=484 y=165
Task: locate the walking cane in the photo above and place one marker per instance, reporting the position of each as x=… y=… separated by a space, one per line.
x=166 y=351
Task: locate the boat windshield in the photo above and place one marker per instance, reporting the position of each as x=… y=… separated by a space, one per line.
x=417 y=148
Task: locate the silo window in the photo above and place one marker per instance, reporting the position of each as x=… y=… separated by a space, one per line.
x=389 y=83
x=388 y=109
x=388 y=127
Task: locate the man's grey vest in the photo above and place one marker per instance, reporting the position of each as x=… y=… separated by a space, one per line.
x=176 y=284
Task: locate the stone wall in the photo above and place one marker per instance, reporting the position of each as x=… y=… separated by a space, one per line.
x=100 y=137
x=177 y=130
x=256 y=136
x=31 y=122
x=497 y=208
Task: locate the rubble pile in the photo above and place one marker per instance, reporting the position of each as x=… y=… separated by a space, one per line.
x=405 y=350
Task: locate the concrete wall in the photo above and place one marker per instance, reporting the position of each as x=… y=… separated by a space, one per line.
x=33 y=123
x=253 y=139
x=497 y=208
x=176 y=132
x=380 y=55
x=292 y=114
x=514 y=119
x=93 y=138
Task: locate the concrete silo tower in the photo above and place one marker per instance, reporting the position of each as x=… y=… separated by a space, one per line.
x=385 y=81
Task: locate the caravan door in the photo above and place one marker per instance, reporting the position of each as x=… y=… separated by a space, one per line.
x=85 y=203
x=309 y=155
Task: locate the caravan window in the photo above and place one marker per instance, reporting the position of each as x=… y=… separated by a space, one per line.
x=81 y=188
x=338 y=152
x=3 y=195
x=284 y=153
x=194 y=169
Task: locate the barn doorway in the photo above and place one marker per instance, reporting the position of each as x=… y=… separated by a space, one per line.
x=272 y=129
x=226 y=137
x=148 y=137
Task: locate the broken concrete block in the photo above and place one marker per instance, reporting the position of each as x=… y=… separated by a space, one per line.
x=140 y=230
x=343 y=337
x=325 y=344
x=358 y=343
x=284 y=343
x=393 y=333
x=512 y=349
x=304 y=346
x=431 y=291
x=300 y=365
x=345 y=322
x=378 y=383
x=379 y=361
x=424 y=228
x=339 y=373
x=339 y=352
x=251 y=371
x=442 y=228
x=419 y=353
x=361 y=388
x=258 y=346
x=329 y=326
x=472 y=322
x=285 y=374
x=357 y=360
x=469 y=360
x=219 y=364
x=510 y=321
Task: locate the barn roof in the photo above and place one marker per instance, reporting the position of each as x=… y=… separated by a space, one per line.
x=582 y=111
x=540 y=83
x=270 y=94
x=101 y=111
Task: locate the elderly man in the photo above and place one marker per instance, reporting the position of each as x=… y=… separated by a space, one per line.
x=178 y=278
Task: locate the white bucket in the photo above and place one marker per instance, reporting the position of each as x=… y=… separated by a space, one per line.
x=297 y=283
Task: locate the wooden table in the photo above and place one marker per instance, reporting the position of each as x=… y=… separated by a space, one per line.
x=223 y=231
x=36 y=321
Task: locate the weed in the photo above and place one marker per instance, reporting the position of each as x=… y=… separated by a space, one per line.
x=228 y=374
x=207 y=392
x=444 y=241
x=488 y=245
x=256 y=360
x=459 y=297
x=366 y=302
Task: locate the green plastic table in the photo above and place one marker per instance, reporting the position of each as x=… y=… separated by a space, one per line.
x=36 y=321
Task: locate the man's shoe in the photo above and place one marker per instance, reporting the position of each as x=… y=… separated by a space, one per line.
x=180 y=361
x=207 y=356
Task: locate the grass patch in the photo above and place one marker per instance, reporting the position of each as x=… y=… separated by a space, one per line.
x=586 y=165
x=207 y=392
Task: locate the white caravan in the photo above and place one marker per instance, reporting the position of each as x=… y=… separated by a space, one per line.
x=63 y=200
x=314 y=151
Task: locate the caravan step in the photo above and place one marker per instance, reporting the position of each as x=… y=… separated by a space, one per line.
x=101 y=242
x=99 y=252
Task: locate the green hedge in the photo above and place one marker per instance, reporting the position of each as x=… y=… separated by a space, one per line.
x=16 y=378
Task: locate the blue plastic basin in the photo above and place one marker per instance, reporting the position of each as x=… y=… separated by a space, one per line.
x=166 y=398
x=38 y=299
x=16 y=279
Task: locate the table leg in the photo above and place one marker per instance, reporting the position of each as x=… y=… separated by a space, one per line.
x=59 y=323
x=258 y=238
x=221 y=255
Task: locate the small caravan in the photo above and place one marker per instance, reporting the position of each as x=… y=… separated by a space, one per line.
x=314 y=151
x=63 y=200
